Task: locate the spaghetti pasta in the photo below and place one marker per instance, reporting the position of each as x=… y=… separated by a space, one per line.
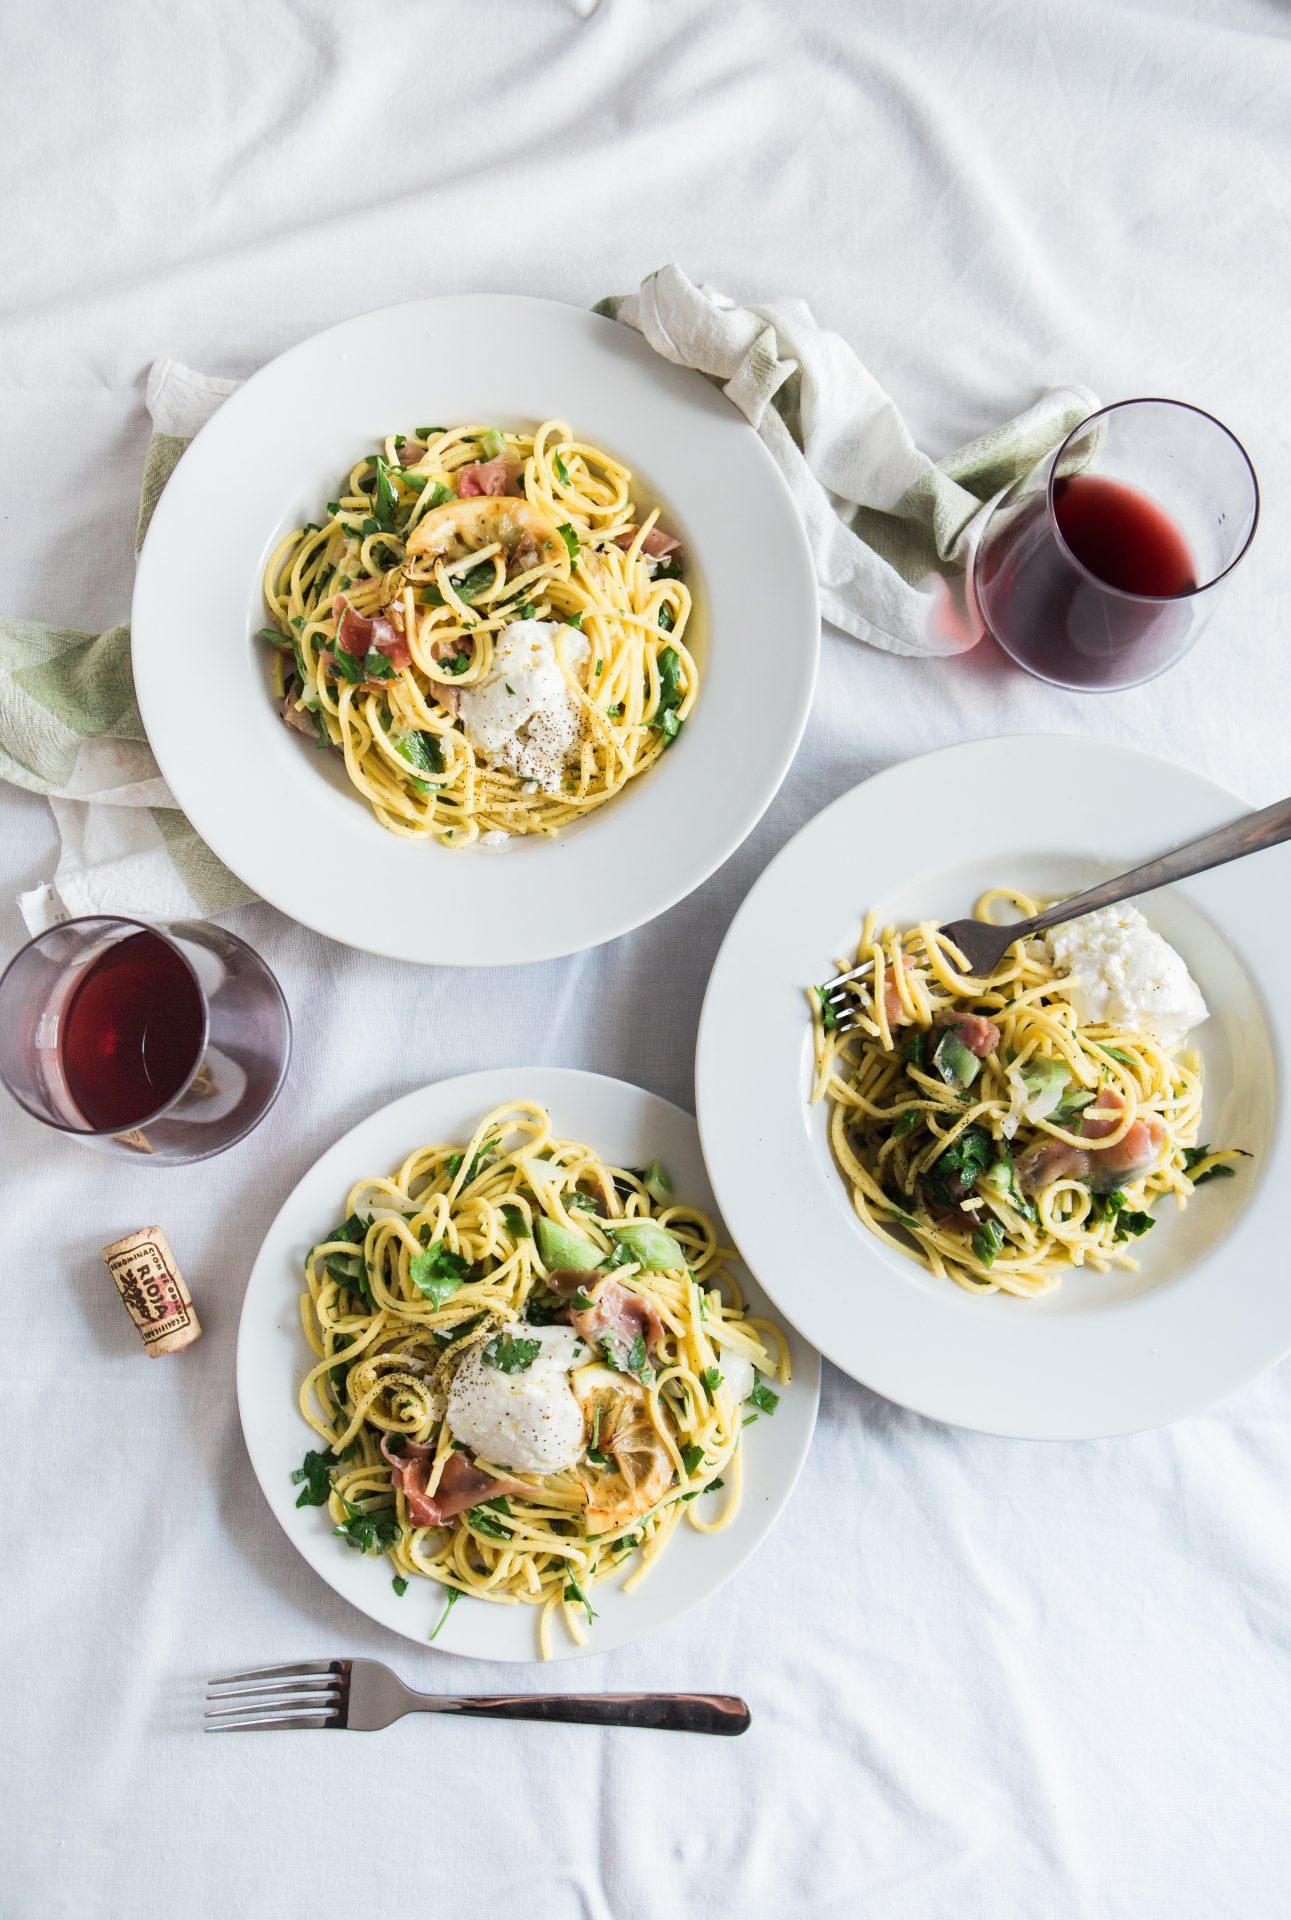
x=446 y=1265
x=396 y=604
x=984 y=1130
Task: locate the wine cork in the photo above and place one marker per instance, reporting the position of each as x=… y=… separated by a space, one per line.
x=157 y=1299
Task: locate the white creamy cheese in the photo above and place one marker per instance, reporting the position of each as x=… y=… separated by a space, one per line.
x=1123 y=973
x=528 y=1421
x=521 y=715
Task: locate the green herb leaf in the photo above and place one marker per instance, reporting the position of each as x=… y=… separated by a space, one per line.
x=438 y=1272
x=562 y=471
x=316 y=1473
x=691 y=1456
x=638 y=1360
x=515 y=1223
x=452 y=1594
x=667 y=618
x=423 y=751
x=473 y=582
x=574 y=620
x=378 y=665
x=400 y=1586
x=828 y=1017
x=906 y=1122
x=574 y=1593
x=763 y=1399
x=1117 y=1053
x=483 y=1522
x=511 y=1356
x=369 y=1531
x=570 y=539
x=385 y=502
x=712 y=1378
x=987 y=1241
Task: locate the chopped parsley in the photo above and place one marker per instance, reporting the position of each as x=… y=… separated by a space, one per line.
x=712 y=1378
x=378 y=665
x=638 y=1360
x=828 y=1017
x=385 y=502
x=369 y=1532
x=691 y=1456
x=453 y=1594
x=474 y=581
x=480 y=1520
x=575 y=620
x=314 y=1478
x=669 y=695
x=511 y=1356
x=400 y=1586
x=575 y=1595
x=581 y=1302
x=987 y=1241
x=570 y=539
x=438 y=1272
x=667 y=618
x=423 y=751
x=562 y=471
x=906 y=1122
x=515 y=1223
x=1193 y=1157
x=763 y=1399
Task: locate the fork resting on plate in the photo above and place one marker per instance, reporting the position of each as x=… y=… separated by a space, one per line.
x=364 y=1695
x=984 y=944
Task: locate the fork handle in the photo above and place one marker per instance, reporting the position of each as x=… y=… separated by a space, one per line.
x=670 y=1712
x=1251 y=834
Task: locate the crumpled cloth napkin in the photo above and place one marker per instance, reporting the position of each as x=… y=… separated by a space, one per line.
x=890 y=529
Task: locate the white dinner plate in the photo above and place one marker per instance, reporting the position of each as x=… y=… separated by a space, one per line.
x=284 y=816
x=628 y=1127
x=1101 y=1354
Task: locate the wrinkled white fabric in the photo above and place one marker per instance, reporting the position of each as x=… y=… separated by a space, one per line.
x=990 y=1680
x=841 y=443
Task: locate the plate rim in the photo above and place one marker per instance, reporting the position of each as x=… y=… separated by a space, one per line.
x=834 y=1348
x=376 y=936
x=462 y=1087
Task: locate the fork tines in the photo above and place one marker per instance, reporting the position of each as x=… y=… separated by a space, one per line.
x=836 y=997
x=314 y=1693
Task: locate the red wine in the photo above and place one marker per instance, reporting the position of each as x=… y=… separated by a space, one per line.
x=1123 y=537
x=1073 y=624
x=131 y=1033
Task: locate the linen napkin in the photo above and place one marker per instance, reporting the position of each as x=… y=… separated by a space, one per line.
x=890 y=529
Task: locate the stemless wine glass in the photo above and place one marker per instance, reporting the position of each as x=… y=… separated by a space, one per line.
x=186 y=1010
x=1100 y=567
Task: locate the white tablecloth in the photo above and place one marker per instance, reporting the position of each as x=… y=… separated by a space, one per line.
x=988 y=1679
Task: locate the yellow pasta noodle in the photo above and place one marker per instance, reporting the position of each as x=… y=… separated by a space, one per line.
x=965 y=1170
x=451 y=575
x=443 y=1256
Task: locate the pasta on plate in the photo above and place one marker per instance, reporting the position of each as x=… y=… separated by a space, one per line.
x=529 y=1368
x=991 y=1127
x=487 y=628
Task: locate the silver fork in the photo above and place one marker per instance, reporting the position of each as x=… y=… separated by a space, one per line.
x=364 y=1696
x=984 y=946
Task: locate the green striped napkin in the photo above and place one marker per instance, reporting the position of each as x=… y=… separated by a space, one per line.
x=70 y=729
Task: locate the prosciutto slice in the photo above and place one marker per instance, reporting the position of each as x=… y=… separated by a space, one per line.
x=980 y=1035
x=617 y=1315
x=657 y=544
x=1099 y=1168
x=358 y=635
x=489 y=476
x=461 y=1484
